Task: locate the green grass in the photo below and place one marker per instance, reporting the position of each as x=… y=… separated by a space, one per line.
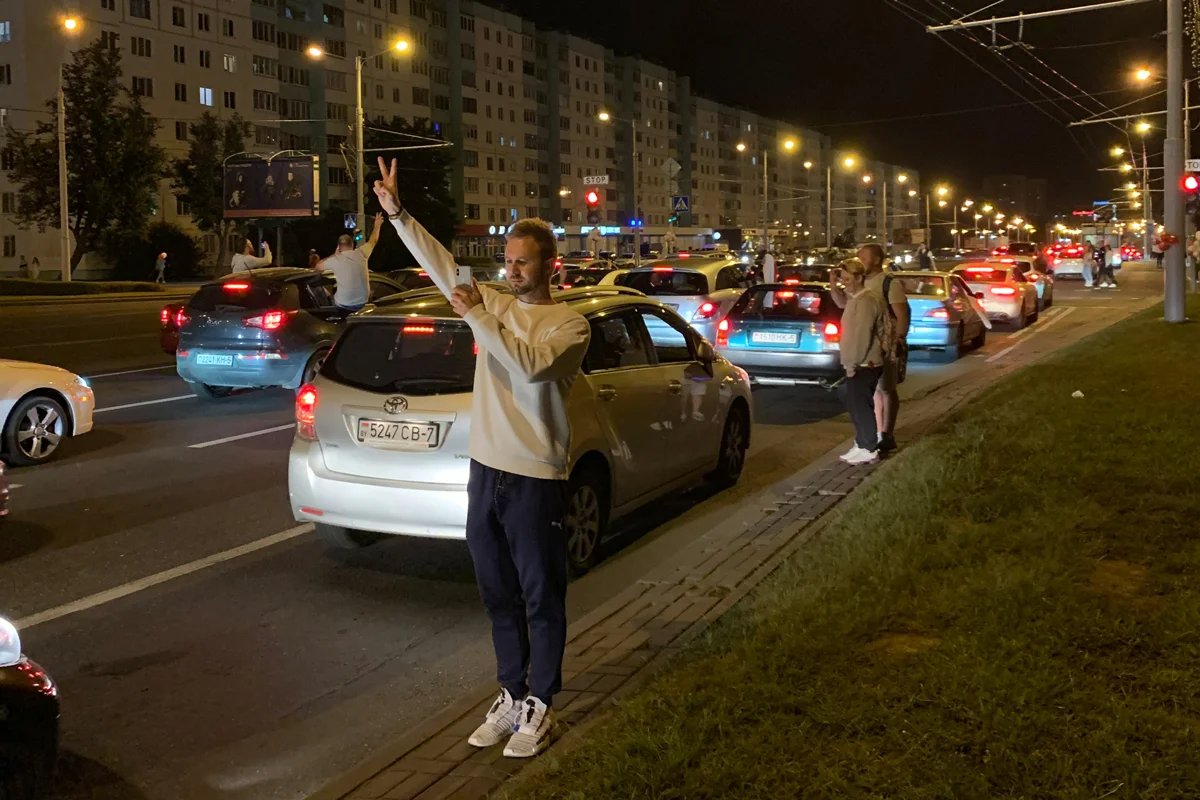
x=1010 y=609
x=24 y=287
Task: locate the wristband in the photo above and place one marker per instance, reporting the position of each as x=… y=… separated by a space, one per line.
x=396 y=215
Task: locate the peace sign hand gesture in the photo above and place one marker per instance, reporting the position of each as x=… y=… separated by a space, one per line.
x=386 y=189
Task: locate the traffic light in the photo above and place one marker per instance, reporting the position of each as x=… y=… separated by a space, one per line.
x=592 y=200
x=1191 y=192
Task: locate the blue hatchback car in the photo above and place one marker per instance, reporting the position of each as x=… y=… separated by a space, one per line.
x=269 y=327
x=944 y=313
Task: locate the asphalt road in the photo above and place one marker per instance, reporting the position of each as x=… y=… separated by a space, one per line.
x=207 y=646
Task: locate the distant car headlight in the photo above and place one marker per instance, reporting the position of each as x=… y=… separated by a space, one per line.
x=745 y=259
x=82 y=381
x=10 y=644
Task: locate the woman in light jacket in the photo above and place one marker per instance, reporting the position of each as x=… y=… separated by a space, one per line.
x=862 y=352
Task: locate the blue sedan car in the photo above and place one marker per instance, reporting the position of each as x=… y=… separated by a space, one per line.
x=945 y=313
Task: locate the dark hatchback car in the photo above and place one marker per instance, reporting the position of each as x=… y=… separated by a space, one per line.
x=784 y=334
x=28 y=721
x=270 y=327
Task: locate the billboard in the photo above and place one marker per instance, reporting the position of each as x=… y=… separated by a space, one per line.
x=287 y=186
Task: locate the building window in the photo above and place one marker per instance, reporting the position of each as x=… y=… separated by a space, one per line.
x=180 y=54
x=471 y=211
x=335 y=47
x=143 y=87
x=395 y=95
x=332 y=15
x=7 y=160
x=110 y=40
x=181 y=92
x=470 y=105
x=420 y=96
x=337 y=82
x=441 y=101
x=230 y=100
x=467 y=51
x=108 y=5
x=206 y=97
x=139 y=9
x=203 y=21
x=227 y=28
x=8 y=203
x=10 y=246
x=181 y=131
x=206 y=58
x=182 y=209
x=470 y=158
x=337 y=111
x=5 y=31
x=265 y=101
x=178 y=16
x=140 y=46
x=267 y=67
x=416 y=8
x=262 y=31
x=467 y=23
x=339 y=176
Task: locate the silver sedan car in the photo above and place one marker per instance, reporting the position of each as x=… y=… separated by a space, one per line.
x=701 y=290
x=381 y=439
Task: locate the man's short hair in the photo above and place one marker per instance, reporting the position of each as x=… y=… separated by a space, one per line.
x=878 y=248
x=540 y=231
x=345 y=240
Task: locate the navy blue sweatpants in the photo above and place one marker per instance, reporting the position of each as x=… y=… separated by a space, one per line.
x=518 y=545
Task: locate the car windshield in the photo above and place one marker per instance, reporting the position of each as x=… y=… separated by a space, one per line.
x=413 y=279
x=926 y=287
x=665 y=281
x=1022 y=249
x=416 y=357
x=983 y=274
x=583 y=277
x=806 y=272
x=236 y=295
x=765 y=303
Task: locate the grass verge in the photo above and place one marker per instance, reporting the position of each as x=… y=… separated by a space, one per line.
x=25 y=287
x=1010 y=609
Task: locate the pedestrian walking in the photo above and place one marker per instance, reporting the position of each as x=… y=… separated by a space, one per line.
x=349 y=266
x=924 y=258
x=1089 y=265
x=24 y=267
x=1110 y=261
x=530 y=352
x=160 y=266
x=246 y=260
x=863 y=356
x=35 y=268
x=1157 y=250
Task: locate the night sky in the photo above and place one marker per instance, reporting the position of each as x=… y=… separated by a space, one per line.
x=866 y=72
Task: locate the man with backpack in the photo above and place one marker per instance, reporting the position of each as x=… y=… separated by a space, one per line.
x=896 y=321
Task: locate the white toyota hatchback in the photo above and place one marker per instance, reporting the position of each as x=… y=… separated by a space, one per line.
x=381 y=439
x=40 y=406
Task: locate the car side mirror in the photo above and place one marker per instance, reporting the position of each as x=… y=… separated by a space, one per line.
x=979 y=295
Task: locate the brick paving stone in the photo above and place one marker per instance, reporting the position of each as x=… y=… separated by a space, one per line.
x=411 y=786
x=465 y=725
x=582 y=682
x=380 y=785
x=695 y=611
x=444 y=788
x=436 y=745
x=472 y=769
x=426 y=766
x=474 y=789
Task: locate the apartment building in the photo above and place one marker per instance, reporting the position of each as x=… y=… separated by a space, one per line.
x=520 y=106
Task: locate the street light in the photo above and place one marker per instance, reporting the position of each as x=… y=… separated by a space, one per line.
x=808 y=165
x=848 y=162
x=866 y=178
x=901 y=178
x=1117 y=152
x=1142 y=127
x=912 y=192
x=1141 y=74
x=72 y=26
x=604 y=116
x=788 y=145
x=314 y=52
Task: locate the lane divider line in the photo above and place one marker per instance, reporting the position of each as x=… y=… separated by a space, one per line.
x=141 y=584
x=79 y=341
x=146 y=403
x=1039 y=329
x=240 y=436
x=130 y=372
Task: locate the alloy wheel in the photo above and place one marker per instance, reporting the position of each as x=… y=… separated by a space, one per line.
x=40 y=431
x=583 y=523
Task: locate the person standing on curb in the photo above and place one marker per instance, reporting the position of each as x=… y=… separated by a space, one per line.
x=246 y=260
x=530 y=352
x=887 y=393
x=160 y=267
x=862 y=354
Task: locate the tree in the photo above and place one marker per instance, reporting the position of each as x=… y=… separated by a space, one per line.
x=113 y=164
x=424 y=173
x=199 y=179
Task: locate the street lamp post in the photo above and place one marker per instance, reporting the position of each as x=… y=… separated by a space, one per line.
x=316 y=52
x=788 y=145
x=604 y=116
x=70 y=25
x=848 y=162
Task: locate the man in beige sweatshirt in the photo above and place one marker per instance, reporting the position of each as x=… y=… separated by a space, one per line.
x=530 y=351
x=862 y=354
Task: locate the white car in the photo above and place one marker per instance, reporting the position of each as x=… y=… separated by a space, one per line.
x=40 y=405
x=381 y=434
x=1071 y=267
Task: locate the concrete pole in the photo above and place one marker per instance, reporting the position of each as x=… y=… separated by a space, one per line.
x=828 y=206
x=1174 y=309
x=885 y=225
x=637 y=197
x=1148 y=226
x=766 y=210
x=64 y=222
x=360 y=209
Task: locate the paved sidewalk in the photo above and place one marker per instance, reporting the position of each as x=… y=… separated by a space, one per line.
x=619 y=644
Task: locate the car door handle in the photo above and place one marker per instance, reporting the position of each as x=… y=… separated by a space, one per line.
x=674 y=387
x=606 y=392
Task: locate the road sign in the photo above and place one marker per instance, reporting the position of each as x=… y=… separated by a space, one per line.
x=595 y=180
x=680 y=203
x=1192 y=164
x=349 y=221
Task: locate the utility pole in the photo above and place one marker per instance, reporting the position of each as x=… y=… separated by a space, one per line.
x=360 y=212
x=1174 y=296
x=828 y=206
x=64 y=229
x=885 y=224
x=766 y=235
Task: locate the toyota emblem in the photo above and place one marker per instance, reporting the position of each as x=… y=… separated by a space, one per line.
x=395 y=405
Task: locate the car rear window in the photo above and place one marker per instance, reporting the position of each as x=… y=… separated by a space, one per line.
x=665 y=281
x=584 y=277
x=414 y=356
x=415 y=280
x=237 y=296
x=983 y=274
x=800 y=303
x=927 y=287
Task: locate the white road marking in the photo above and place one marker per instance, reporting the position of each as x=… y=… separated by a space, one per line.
x=133 y=587
x=1001 y=354
x=240 y=436
x=79 y=341
x=1036 y=330
x=145 y=403
x=130 y=371
x=16 y=486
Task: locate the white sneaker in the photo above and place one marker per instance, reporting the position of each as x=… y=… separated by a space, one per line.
x=862 y=457
x=533 y=730
x=851 y=454
x=501 y=721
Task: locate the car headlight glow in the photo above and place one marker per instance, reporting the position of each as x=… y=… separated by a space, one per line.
x=82 y=381
x=10 y=644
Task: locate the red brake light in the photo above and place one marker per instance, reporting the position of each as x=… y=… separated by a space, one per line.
x=683 y=255
x=663 y=269
x=1008 y=261
x=236 y=286
x=418 y=330
x=723 y=332
x=270 y=321
x=784 y=295
x=706 y=311
x=306 y=413
x=938 y=313
x=1004 y=291
x=833 y=332
x=165 y=315
x=422 y=274
x=792 y=282
x=181 y=318
x=980 y=270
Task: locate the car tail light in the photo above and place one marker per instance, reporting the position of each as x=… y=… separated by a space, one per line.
x=706 y=311
x=565 y=285
x=663 y=269
x=306 y=413
x=1057 y=261
x=1004 y=291
x=832 y=332
x=181 y=318
x=792 y=282
x=723 y=332
x=683 y=255
x=1008 y=261
x=270 y=321
x=165 y=315
x=937 y=313
x=418 y=330
x=236 y=286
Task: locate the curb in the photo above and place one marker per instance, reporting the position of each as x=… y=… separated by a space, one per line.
x=71 y=299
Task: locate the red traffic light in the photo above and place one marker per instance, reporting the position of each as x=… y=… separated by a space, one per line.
x=592 y=198
x=1190 y=183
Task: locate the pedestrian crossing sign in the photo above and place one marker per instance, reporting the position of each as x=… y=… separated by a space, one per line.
x=679 y=203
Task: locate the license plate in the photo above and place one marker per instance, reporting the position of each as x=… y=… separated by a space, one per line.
x=771 y=337
x=210 y=360
x=400 y=435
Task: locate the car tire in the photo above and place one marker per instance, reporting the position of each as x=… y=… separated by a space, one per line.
x=206 y=392
x=25 y=773
x=955 y=351
x=735 y=441
x=1049 y=301
x=980 y=340
x=1019 y=322
x=21 y=440
x=586 y=517
x=1034 y=316
x=313 y=366
x=339 y=538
